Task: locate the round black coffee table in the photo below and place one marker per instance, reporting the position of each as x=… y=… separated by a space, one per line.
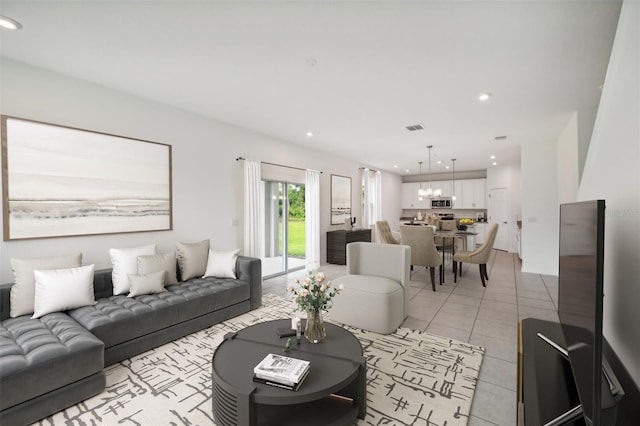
x=334 y=393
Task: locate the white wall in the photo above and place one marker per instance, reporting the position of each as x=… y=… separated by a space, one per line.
x=539 y=208
x=612 y=173
x=586 y=121
x=207 y=181
x=568 y=156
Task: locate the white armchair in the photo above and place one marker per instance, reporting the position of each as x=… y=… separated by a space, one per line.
x=376 y=293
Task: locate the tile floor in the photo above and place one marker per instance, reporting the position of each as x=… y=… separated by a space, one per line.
x=486 y=317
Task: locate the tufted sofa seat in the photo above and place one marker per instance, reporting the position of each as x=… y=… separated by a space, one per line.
x=47 y=354
x=120 y=320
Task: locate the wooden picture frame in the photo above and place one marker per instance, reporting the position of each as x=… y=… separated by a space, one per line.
x=62 y=181
x=340 y=199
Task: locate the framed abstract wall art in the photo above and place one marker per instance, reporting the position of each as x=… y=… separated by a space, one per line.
x=61 y=181
x=340 y=199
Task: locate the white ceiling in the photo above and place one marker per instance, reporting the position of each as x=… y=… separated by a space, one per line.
x=354 y=73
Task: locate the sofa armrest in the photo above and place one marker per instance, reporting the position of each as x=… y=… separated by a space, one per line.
x=5 y=301
x=250 y=269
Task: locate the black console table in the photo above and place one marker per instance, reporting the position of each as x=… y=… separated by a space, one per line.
x=337 y=244
x=545 y=382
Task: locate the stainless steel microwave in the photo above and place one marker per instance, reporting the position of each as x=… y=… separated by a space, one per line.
x=441 y=203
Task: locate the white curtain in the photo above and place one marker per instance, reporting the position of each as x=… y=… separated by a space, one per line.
x=377 y=198
x=372 y=192
x=253 y=210
x=312 y=219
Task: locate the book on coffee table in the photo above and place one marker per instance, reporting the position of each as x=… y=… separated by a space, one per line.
x=282 y=370
x=294 y=387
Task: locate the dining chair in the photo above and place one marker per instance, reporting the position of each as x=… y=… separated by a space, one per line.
x=384 y=232
x=479 y=256
x=423 y=249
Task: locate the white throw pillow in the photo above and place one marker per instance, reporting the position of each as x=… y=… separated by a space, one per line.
x=222 y=264
x=192 y=259
x=146 y=283
x=23 y=290
x=61 y=289
x=125 y=262
x=159 y=262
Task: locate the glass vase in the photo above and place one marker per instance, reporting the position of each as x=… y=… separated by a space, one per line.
x=314 y=331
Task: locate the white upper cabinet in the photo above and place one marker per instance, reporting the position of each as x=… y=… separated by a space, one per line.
x=457 y=203
x=445 y=187
x=473 y=193
x=470 y=193
x=410 y=199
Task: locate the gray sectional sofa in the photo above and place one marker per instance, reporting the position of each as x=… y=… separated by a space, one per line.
x=56 y=361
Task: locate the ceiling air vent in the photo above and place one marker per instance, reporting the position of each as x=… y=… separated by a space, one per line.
x=500 y=138
x=415 y=127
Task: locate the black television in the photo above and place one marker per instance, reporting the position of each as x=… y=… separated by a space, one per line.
x=580 y=309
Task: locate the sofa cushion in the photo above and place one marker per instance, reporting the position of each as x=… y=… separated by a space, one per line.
x=61 y=289
x=159 y=262
x=192 y=259
x=222 y=264
x=369 y=302
x=118 y=319
x=41 y=355
x=125 y=262
x=151 y=283
x=23 y=291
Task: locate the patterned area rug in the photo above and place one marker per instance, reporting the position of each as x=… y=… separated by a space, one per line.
x=413 y=378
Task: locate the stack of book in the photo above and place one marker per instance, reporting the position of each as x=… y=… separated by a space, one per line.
x=281 y=371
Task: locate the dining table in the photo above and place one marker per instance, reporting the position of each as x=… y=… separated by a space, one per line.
x=455 y=236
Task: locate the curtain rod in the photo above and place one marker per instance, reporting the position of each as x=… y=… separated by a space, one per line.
x=282 y=165
x=373 y=170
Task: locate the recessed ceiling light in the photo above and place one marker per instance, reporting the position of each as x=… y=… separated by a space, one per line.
x=484 y=96
x=439 y=162
x=447 y=167
x=494 y=164
x=309 y=134
x=395 y=166
x=10 y=24
x=407 y=171
x=493 y=157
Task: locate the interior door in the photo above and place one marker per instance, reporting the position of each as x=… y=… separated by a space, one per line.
x=499 y=213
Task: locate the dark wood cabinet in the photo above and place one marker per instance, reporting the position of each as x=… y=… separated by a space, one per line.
x=337 y=244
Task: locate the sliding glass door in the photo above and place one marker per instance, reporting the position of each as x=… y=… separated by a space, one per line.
x=284 y=228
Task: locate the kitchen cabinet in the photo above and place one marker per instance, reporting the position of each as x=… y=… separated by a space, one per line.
x=457 y=203
x=410 y=199
x=444 y=185
x=473 y=194
x=470 y=194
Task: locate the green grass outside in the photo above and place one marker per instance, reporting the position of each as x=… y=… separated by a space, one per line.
x=296 y=238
